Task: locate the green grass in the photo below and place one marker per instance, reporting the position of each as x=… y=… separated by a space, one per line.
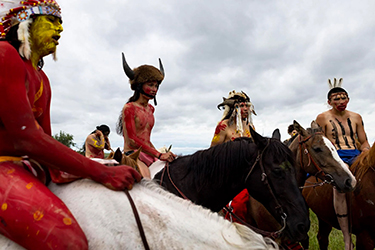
x=336 y=240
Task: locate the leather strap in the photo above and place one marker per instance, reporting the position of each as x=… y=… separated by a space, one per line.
x=138 y=220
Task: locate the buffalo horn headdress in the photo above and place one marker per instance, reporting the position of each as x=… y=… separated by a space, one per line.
x=142 y=74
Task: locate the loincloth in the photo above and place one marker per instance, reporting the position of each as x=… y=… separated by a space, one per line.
x=348 y=156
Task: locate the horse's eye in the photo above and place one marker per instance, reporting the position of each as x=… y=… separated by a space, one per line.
x=317 y=149
x=277 y=171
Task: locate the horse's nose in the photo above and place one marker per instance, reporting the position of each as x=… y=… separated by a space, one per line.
x=350 y=183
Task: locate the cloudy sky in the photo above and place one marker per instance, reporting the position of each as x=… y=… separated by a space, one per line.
x=280 y=53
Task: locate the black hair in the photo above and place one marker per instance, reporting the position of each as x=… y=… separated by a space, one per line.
x=103 y=128
x=336 y=90
x=290 y=128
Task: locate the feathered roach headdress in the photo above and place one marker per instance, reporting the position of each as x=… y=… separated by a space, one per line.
x=142 y=74
x=335 y=87
x=232 y=110
x=13 y=12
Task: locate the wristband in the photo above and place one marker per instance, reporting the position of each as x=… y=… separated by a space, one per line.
x=159 y=156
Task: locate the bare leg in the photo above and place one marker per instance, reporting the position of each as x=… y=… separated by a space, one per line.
x=32 y=216
x=341 y=209
x=145 y=172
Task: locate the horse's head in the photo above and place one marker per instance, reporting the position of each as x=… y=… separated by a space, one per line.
x=271 y=180
x=316 y=155
x=130 y=160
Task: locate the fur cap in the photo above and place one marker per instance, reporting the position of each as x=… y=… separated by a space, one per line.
x=142 y=74
x=145 y=73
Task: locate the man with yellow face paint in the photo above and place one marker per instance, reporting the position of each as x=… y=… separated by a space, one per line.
x=30 y=214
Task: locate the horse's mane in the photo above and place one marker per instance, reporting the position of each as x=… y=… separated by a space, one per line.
x=213 y=166
x=250 y=238
x=363 y=163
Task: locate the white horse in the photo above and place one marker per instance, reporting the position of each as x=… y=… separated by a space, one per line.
x=169 y=222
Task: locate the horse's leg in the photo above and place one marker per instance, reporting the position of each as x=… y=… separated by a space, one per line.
x=323 y=234
x=364 y=241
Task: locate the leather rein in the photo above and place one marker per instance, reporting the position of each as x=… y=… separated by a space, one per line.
x=264 y=179
x=304 y=151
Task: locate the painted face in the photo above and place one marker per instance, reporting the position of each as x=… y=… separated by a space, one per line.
x=44 y=34
x=245 y=107
x=339 y=101
x=151 y=88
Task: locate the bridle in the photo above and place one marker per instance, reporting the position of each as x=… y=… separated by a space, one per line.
x=303 y=150
x=264 y=179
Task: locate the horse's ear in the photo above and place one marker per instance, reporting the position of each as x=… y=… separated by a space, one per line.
x=299 y=128
x=118 y=155
x=259 y=140
x=276 y=134
x=315 y=126
x=134 y=156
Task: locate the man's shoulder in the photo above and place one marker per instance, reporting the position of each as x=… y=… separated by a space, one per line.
x=9 y=53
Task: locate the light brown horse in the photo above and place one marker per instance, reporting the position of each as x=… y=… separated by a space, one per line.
x=314 y=155
x=361 y=204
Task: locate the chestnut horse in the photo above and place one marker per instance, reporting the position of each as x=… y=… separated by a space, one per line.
x=361 y=204
x=212 y=177
x=315 y=155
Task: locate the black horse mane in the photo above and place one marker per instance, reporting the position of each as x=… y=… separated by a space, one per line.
x=213 y=166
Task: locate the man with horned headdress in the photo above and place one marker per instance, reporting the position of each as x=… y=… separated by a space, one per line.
x=137 y=116
x=342 y=127
x=235 y=123
x=31 y=215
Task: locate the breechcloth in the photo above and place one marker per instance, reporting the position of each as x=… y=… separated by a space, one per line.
x=143 y=157
x=30 y=214
x=348 y=156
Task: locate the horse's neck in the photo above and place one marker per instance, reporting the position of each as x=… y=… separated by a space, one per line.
x=295 y=147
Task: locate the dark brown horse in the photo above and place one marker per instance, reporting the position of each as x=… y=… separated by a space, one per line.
x=314 y=155
x=212 y=177
x=361 y=204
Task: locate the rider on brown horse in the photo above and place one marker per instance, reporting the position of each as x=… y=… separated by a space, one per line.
x=341 y=127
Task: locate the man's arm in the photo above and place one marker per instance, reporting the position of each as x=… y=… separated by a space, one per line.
x=27 y=138
x=321 y=121
x=220 y=133
x=362 y=137
x=96 y=140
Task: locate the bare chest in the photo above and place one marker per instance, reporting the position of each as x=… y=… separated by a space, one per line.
x=144 y=118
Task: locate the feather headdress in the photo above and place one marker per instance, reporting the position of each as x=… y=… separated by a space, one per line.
x=232 y=110
x=13 y=12
x=335 y=87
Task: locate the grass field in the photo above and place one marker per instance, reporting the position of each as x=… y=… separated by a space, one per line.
x=336 y=241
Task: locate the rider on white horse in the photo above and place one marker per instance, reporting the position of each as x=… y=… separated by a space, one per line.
x=30 y=214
